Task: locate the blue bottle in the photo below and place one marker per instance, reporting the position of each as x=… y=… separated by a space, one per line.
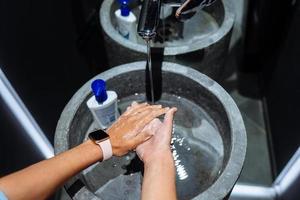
x=126 y=21
x=103 y=104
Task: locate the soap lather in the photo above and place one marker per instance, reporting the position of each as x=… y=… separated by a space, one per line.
x=103 y=104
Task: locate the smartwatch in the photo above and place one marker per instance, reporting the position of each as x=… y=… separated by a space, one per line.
x=101 y=138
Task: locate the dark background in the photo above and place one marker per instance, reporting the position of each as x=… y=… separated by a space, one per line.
x=49 y=48
x=272 y=60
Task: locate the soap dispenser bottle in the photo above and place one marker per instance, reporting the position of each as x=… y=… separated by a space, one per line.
x=103 y=104
x=126 y=21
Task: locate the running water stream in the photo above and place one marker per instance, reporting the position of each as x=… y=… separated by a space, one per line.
x=150 y=69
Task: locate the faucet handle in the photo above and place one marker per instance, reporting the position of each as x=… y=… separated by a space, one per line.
x=190 y=7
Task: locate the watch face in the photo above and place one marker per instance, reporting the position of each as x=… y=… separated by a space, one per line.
x=98 y=135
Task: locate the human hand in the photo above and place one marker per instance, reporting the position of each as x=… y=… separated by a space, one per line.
x=126 y=133
x=159 y=145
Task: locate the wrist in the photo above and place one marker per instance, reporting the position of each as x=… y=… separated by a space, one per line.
x=162 y=156
x=85 y=154
x=94 y=150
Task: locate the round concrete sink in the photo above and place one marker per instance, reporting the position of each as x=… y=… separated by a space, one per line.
x=200 y=42
x=209 y=139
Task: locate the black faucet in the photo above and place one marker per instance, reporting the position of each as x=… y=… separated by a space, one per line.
x=150 y=12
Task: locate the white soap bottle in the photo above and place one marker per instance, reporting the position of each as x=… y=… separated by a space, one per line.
x=103 y=104
x=126 y=21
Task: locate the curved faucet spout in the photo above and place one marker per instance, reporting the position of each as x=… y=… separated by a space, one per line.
x=149 y=16
x=149 y=19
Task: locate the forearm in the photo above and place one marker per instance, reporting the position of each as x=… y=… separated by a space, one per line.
x=159 y=179
x=46 y=176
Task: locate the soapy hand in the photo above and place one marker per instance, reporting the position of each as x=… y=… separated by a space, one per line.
x=159 y=145
x=127 y=132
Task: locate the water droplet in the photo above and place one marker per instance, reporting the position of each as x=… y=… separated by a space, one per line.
x=114 y=165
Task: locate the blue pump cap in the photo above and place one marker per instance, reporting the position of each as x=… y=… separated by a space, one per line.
x=125 y=10
x=99 y=90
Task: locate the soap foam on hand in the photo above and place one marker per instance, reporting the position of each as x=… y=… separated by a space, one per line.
x=103 y=104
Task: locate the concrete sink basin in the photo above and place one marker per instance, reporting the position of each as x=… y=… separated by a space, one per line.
x=209 y=140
